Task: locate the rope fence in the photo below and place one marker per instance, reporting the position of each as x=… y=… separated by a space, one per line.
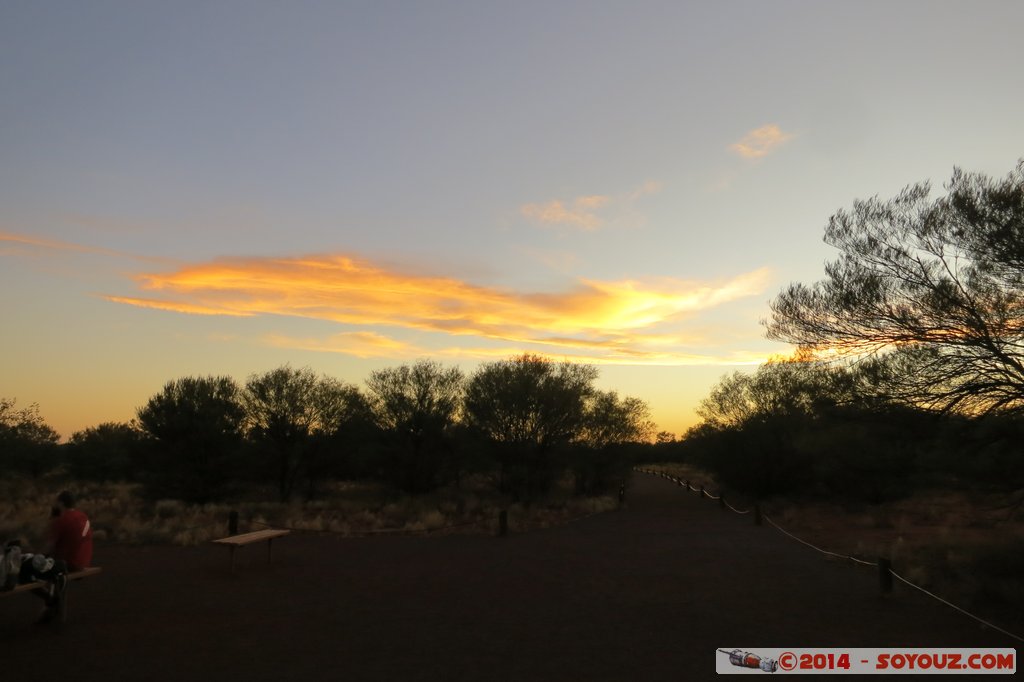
x=971 y=615
x=815 y=547
x=884 y=566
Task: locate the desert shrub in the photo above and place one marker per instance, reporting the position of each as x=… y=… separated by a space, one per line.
x=106 y=452
x=998 y=572
x=760 y=459
x=28 y=445
x=597 y=471
x=193 y=439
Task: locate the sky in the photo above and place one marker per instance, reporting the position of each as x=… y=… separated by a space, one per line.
x=197 y=188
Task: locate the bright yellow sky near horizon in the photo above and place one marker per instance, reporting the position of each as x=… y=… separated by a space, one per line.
x=225 y=188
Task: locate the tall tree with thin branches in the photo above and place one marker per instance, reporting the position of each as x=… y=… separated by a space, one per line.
x=927 y=294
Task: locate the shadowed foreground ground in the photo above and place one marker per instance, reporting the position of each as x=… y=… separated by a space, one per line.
x=648 y=593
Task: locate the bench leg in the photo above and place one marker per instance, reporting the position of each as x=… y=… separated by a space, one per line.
x=64 y=605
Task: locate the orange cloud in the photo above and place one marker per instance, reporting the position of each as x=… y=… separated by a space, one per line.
x=629 y=318
x=585 y=212
x=649 y=187
x=648 y=359
x=359 y=344
x=57 y=245
x=580 y=215
x=177 y=306
x=760 y=141
x=373 y=345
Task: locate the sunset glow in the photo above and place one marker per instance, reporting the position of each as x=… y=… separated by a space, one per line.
x=593 y=315
x=201 y=188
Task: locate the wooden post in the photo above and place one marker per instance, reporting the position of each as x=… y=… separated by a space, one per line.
x=702 y=492
x=721 y=500
x=233 y=523
x=622 y=494
x=502 y=523
x=885 y=575
x=757 y=514
x=687 y=485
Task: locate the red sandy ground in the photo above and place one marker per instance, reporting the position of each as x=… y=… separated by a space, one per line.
x=645 y=593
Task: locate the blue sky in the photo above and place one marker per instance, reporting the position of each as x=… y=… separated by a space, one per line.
x=353 y=185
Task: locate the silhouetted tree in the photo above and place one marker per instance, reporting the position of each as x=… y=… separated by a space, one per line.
x=28 y=445
x=767 y=432
x=611 y=420
x=346 y=431
x=194 y=428
x=416 y=407
x=933 y=291
x=600 y=460
x=529 y=407
x=781 y=387
x=107 y=452
x=296 y=415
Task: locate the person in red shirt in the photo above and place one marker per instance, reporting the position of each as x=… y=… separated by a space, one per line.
x=70 y=542
x=71 y=534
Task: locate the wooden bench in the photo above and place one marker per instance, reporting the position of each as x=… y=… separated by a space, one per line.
x=236 y=541
x=41 y=584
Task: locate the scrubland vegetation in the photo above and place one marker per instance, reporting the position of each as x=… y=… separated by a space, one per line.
x=121 y=514
x=895 y=430
x=421 y=448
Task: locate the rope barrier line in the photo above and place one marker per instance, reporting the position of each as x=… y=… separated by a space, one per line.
x=935 y=596
x=873 y=564
x=745 y=511
x=815 y=547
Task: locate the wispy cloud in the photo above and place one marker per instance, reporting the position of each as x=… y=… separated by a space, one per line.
x=373 y=345
x=617 y=320
x=649 y=187
x=45 y=244
x=580 y=213
x=359 y=344
x=559 y=261
x=585 y=212
x=760 y=141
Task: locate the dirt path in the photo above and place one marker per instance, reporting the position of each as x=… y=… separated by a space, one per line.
x=648 y=592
